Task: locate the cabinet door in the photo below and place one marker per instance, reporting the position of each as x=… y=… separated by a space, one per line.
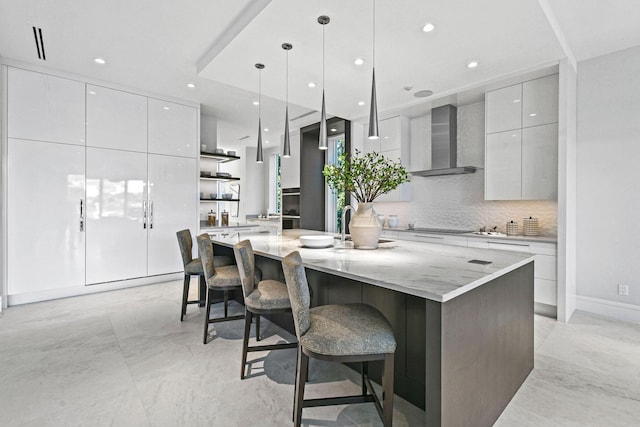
x=173 y=206
x=504 y=109
x=540 y=101
x=503 y=169
x=45 y=190
x=45 y=108
x=390 y=131
x=116 y=119
x=290 y=166
x=173 y=129
x=116 y=226
x=540 y=162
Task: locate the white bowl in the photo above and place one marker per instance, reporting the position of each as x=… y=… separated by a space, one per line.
x=316 y=241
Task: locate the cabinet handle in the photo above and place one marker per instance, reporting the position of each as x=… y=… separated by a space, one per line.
x=81 y=214
x=150 y=214
x=509 y=244
x=144 y=214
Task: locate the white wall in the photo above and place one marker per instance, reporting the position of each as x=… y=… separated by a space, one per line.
x=253 y=200
x=3 y=188
x=608 y=199
x=458 y=201
x=209 y=132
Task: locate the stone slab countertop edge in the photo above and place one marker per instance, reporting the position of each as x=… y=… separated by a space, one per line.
x=518 y=237
x=427 y=270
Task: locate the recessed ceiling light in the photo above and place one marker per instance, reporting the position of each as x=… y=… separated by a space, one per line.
x=91 y=92
x=333 y=130
x=472 y=64
x=256 y=103
x=266 y=142
x=361 y=103
x=311 y=84
x=99 y=61
x=358 y=61
x=532 y=115
x=191 y=85
x=266 y=129
x=165 y=108
x=423 y=93
x=428 y=27
x=516 y=100
x=386 y=137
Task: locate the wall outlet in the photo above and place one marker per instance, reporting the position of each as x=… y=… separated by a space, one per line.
x=623 y=290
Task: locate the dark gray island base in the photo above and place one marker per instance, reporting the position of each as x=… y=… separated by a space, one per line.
x=461 y=360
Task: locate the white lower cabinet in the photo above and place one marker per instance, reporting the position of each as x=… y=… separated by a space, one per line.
x=116 y=220
x=173 y=204
x=46 y=245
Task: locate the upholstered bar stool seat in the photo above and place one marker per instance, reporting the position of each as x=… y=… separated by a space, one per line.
x=260 y=297
x=339 y=333
x=347 y=330
x=224 y=278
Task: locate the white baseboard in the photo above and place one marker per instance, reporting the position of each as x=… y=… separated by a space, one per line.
x=603 y=307
x=89 y=289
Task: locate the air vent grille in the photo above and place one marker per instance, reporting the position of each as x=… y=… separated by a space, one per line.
x=37 y=35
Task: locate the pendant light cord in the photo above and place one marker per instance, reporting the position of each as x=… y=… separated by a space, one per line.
x=374 y=33
x=287 y=83
x=323 y=58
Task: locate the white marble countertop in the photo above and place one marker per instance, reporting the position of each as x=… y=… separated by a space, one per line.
x=427 y=270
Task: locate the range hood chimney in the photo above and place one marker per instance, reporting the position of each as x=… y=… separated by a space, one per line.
x=444 y=147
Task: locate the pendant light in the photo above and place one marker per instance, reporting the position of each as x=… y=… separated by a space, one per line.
x=373 y=111
x=259 y=158
x=286 y=150
x=322 y=143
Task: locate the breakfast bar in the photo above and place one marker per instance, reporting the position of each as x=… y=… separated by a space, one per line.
x=462 y=317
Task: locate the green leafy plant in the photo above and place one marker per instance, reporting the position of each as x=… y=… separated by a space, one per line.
x=365 y=176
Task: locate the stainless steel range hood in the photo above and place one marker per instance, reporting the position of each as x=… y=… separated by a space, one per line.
x=444 y=147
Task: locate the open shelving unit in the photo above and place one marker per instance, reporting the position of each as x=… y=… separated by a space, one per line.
x=212 y=179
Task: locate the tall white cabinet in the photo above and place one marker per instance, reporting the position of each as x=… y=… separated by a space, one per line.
x=99 y=181
x=521 y=156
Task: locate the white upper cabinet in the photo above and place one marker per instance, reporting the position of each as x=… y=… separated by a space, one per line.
x=45 y=108
x=540 y=101
x=290 y=166
x=116 y=119
x=540 y=162
x=173 y=129
x=535 y=160
x=503 y=167
x=504 y=109
x=394 y=144
x=45 y=233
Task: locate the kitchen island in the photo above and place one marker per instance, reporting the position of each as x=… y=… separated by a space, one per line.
x=463 y=317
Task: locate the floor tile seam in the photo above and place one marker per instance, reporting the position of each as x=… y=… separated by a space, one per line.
x=133 y=380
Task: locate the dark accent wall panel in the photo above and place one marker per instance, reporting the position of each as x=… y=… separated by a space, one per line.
x=312 y=188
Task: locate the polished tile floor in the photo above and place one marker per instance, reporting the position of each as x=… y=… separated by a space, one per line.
x=123 y=358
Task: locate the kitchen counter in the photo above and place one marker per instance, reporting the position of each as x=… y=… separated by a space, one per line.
x=426 y=270
x=464 y=331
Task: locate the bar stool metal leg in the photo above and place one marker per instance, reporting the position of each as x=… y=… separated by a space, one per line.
x=301 y=378
x=257 y=327
x=245 y=341
x=206 y=316
x=185 y=295
x=387 y=390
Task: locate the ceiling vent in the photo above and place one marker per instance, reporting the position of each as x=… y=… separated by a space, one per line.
x=244 y=137
x=37 y=35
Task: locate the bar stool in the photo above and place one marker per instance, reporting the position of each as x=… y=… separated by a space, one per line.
x=193 y=267
x=260 y=297
x=224 y=278
x=338 y=333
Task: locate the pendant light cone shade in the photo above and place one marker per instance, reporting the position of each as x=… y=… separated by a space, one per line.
x=259 y=156
x=323 y=144
x=373 y=112
x=286 y=149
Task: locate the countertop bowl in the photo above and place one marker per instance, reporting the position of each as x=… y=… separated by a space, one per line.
x=227 y=196
x=314 y=241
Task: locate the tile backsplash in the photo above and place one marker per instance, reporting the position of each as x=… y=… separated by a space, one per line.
x=457 y=201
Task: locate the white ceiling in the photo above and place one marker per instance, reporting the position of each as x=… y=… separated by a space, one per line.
x=160 y=45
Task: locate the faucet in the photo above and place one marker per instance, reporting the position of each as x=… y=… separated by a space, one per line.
x=344 y=214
